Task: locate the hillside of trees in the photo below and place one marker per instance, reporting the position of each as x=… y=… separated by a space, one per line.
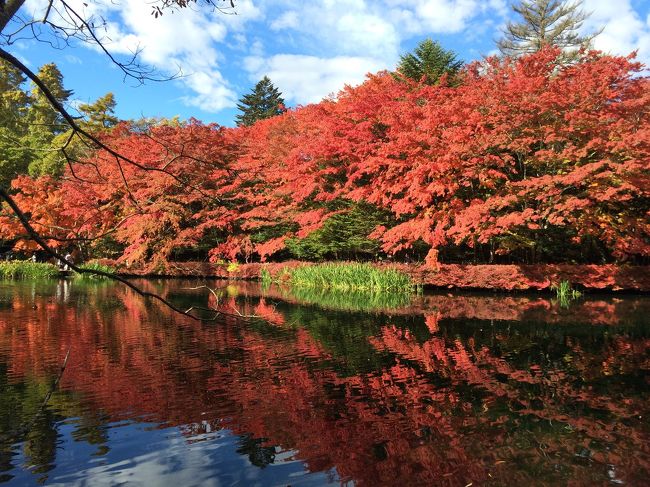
x=512 y=159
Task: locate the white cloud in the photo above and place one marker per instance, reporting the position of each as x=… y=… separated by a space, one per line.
x=366 y=33
x=288 y=20
x=308 y=79
x=623 y=29
x=445 y=16
x=343 y=27
x=418 y=17
x=189 y=40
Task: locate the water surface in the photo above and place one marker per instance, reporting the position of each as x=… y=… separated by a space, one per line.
x=440 y=389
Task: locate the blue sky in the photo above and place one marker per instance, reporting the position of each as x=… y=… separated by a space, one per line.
x=309 y=49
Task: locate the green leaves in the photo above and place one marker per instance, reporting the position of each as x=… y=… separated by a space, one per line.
x=342 y=236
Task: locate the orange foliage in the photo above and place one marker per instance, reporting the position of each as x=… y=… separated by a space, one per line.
x=521 y=154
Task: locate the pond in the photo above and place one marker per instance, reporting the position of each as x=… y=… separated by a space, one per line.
x=315 y=388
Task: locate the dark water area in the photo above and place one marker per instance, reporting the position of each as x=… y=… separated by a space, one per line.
x=315 y=388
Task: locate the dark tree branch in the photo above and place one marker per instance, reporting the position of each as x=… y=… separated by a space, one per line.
x=72 y=122
x=36 y=237
x=75 y=26
x=8 y=10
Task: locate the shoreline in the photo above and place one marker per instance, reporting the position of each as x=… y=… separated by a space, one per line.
x=486 y=277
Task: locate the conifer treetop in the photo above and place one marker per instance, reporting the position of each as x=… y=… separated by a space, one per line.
x=428 y=62
x=264 y=101
x=544 y=23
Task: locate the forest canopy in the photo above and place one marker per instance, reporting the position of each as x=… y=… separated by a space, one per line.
x=519 y=159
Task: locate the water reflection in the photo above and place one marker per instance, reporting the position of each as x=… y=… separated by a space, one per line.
x=439 y=390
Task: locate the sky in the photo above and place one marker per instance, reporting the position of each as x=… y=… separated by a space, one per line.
x=309 y=49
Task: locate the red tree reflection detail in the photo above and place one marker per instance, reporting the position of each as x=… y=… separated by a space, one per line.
x=445 y=410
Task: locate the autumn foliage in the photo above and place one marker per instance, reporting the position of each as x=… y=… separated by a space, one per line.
x=522 y=158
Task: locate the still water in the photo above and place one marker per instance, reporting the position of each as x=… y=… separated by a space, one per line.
x=315 y=388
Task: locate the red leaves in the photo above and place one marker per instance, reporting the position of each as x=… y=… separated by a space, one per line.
x=519 y=148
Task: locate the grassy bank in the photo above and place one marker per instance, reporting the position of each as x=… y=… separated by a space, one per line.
x=19 y=269
x=350 y=277
x=26 y=269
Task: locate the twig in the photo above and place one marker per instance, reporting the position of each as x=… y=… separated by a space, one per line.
x=215 y=310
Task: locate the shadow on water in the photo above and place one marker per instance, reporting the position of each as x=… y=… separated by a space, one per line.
x=433 y=389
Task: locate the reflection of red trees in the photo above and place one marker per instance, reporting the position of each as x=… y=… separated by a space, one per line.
x=381 y=428
x=556 y=397
x=268 y=312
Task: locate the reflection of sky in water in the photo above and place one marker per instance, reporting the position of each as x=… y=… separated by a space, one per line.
x=142 y=454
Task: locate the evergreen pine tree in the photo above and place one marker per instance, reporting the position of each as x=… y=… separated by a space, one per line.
x=543 y=23
x=264 y=101
x=428 y=62
x=101 y=114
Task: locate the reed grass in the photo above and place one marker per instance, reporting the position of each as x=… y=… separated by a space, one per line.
x=350 y=276
x=22 y=269
x=265 y=277
x=565 y=293
x=94 y=266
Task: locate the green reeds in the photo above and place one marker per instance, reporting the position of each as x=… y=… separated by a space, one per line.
x=265 y=277
x=350 y=276
x=93 y=266
x=26 y=269
x=565 y=293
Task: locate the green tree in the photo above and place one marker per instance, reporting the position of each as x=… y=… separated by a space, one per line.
x=101 y=114
x=428 y=62
x=264 y=101
x=41 y=113
x=97 y=116
x=13 y=106
x=343 y=236
x=13 y=99
x=46 y=127
x=543 y=23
